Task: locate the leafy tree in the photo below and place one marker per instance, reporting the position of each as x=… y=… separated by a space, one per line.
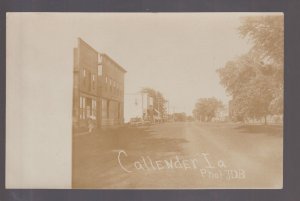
x=255 y=80
x=267 y=35
x=151 y=92
x=206 y=108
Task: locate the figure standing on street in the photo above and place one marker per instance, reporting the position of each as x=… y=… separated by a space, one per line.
x=90 y=124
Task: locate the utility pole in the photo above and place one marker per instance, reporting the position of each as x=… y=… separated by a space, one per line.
x=173 y=113
x=168 y=107
x=142 y=105
x=168 y=113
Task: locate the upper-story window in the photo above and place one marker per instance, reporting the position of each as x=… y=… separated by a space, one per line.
x=80 y=107
x=106 y=79
x=99 y=58
x=93 y=82
x=100 y=69
x=84 y=77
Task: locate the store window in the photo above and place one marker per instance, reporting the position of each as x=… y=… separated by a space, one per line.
x=104 y=109
x=94 y=109
x=82 y=107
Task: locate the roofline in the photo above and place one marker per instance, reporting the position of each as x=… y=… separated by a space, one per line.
x=118 y=65
x=80 y=39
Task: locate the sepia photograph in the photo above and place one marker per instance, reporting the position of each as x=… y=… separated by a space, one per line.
x=147 y=100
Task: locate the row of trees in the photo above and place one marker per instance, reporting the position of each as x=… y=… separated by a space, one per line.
x=255 y=80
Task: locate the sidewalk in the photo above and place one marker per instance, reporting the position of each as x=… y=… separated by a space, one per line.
x=98 y=131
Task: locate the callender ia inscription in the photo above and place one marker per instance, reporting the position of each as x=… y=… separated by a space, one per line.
x=201 y=162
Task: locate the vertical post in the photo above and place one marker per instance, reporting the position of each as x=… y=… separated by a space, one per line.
x=142 y=105
x=173 y=113
x=168 y=107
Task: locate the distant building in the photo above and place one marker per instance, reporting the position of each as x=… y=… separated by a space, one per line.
x=138 y=105
x=98 y=88
x=179 y=116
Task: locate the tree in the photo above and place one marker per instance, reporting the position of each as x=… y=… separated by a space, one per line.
x=237 y=73
x=251 y=85
x=267 y=35
x=151 y=92
x=206 y=108
x=255 y=80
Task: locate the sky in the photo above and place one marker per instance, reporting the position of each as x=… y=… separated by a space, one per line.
x=175 y=53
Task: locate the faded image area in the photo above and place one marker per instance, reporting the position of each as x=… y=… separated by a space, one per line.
x=179 y=101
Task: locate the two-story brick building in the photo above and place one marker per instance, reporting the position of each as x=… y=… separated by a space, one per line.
x=98 y=89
